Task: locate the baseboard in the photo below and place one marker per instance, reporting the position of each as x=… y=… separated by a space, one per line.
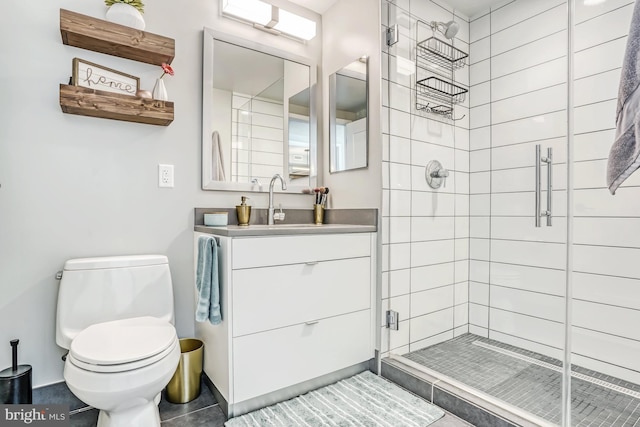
x=222 y=402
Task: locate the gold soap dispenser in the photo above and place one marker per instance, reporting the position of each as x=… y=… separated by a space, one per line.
x=243 y=211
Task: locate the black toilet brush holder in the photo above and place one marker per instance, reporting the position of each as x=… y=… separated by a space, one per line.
x=15 y=382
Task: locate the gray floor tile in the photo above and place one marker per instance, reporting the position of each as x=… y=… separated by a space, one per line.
x=85 y=418
x=204 y=411
x=171 y=410
x=450 y=421
x=57 y=394
x=209 y=417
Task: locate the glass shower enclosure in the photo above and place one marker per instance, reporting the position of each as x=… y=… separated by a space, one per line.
x=510 y=265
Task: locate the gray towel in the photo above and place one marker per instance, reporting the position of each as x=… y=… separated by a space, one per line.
x=207 y=283
x=624 y=157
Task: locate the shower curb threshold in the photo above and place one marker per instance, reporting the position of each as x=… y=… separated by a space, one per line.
x=462 y=401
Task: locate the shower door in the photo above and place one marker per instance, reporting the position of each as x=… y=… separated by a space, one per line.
x=605 y=288
x=517 y=278
x=479 y=287
x=518 y=214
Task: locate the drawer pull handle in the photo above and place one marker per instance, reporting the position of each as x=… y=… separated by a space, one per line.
x=311 y=323
x=311 y=263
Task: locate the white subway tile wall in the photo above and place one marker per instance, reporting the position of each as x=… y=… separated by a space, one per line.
x=257 y=134
x=606 y=287
x=425 y=231
x=518 y=99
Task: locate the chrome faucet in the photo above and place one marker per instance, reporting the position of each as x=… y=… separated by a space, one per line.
x=270 y=218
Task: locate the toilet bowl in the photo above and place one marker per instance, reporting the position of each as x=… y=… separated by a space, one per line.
x=115 y=316
x=120 y=367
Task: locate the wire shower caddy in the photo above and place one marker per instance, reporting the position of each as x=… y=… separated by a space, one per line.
x=436 y=62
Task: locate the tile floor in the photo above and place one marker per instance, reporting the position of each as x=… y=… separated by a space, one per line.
x=204 y=411
x=533 y=381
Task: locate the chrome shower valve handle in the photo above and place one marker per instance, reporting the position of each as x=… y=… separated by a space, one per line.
x=441 y=173
x=435 y=174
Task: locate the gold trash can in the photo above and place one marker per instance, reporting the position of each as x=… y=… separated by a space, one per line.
x=185 y=384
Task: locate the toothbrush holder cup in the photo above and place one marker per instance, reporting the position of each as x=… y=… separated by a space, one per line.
x=318 y=214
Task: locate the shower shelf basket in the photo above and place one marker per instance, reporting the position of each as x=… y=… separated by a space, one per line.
x=445 y=111
x=441 y=53
x=440 y=90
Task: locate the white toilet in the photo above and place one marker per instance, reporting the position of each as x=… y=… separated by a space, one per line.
x=115 y=316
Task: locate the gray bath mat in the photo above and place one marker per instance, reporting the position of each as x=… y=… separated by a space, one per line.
x=362 y=400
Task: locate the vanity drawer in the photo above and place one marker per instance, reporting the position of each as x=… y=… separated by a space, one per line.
x=272 y=297
x=272 y=360
x=281 y=250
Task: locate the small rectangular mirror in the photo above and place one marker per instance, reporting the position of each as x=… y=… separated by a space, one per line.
x=348 y=112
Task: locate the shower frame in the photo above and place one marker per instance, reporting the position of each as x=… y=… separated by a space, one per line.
x=447 y=115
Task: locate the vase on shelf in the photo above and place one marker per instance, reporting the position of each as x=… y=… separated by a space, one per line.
x=160 y=91
x=125 y=14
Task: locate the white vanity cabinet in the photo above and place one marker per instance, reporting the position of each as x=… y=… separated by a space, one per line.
x=296 y=310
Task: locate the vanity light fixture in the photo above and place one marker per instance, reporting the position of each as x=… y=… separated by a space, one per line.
x=269 y=18
x=295 y=25
x=248 y=10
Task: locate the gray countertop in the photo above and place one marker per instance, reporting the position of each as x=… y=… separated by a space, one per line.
x=297 y=221
x=284 y=229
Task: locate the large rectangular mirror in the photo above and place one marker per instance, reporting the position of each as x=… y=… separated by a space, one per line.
x=348 y=105
x=258 y=116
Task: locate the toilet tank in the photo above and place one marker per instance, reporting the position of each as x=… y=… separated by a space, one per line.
x=95 y=290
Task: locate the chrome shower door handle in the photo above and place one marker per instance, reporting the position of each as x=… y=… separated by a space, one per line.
x=538 y=185
x=549 y=161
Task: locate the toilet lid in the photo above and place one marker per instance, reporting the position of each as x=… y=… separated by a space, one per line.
x=123 y=341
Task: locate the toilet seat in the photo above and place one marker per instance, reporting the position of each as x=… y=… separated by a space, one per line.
x=123 y=345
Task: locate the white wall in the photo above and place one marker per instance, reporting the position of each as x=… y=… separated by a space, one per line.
x=518 y=99
x=75 y=186
x=351 y=30
x=425 y=232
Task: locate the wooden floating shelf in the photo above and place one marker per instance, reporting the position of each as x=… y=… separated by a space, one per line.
x=97 y=103
x=113 y=39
